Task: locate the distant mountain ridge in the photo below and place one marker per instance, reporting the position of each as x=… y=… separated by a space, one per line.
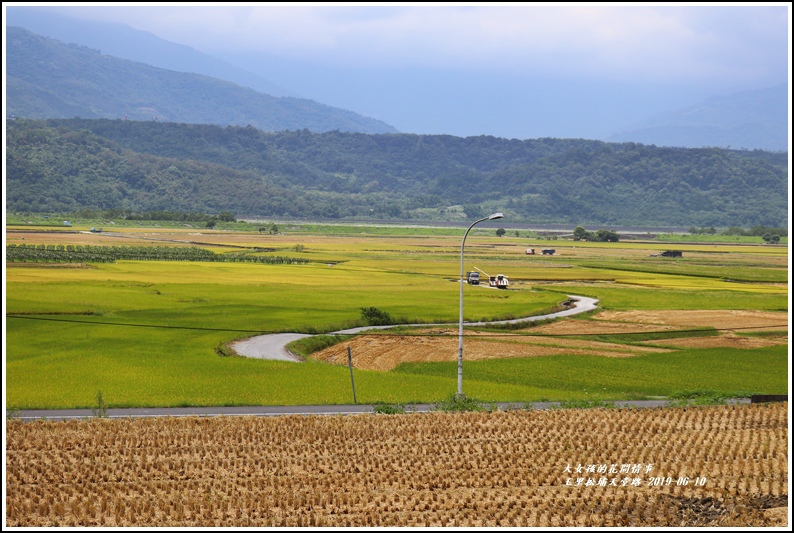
x=72 y=164
x=46 y=78
x=124 y=42
x=749 y=120
x=442 y=102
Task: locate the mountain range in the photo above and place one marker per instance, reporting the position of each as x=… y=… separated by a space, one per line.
x=46 y=78
x=67 y=165
x=751 y=119
x=87 y=130
x=124 y=42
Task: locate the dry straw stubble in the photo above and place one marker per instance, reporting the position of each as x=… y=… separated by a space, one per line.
x=436 y=469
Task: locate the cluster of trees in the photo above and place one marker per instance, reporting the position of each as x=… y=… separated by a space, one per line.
x=129 y=214
x=41 y=253
x=223 y=217
x=703 y=231
x=272 y=229
x=209 y=221
x=769 y=234
x=71 y=164
x=58 y=253
x=756 y=231
x=602 y=235
x=376 y=317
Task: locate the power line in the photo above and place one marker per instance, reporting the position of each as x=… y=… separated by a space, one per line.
x=451 y=334
x=555 y=335
x=160 y=326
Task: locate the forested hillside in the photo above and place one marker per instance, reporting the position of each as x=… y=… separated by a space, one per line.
x=62 y=165
x=46 y=78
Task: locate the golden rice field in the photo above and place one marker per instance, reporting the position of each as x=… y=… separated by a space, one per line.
x=694 y=466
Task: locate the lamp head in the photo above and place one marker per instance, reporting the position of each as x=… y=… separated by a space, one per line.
x=495 y=216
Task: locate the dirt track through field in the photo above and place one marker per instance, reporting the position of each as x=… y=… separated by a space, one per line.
x=385 y=352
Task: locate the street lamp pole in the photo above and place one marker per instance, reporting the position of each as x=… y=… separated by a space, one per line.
x=460 y=322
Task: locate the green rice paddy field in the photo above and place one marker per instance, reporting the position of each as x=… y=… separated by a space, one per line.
x=151 y=333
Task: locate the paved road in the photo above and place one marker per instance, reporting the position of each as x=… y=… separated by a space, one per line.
x=274 y=346
x=271 y=410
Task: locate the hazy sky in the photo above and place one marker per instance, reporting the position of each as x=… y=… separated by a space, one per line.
x=515 y=69
x=734 y=44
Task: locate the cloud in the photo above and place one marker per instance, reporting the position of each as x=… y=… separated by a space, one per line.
x=628 y=42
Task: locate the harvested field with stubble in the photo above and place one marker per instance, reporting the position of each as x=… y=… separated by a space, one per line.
x=694 y=466
x=384 y=352
x=717 y=318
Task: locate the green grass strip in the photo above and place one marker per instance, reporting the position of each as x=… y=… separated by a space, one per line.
x=761 y=371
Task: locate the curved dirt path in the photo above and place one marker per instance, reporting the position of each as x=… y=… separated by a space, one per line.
x=274 y=346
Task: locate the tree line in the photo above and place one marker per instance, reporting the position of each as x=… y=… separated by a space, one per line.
x=59 y=253
x=71 y=164
x=601 y=235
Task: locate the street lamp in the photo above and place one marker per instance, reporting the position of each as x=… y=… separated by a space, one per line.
x=460 y=323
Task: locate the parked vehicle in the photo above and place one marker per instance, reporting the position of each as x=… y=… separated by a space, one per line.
x=473 y=278
x=548 y=251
